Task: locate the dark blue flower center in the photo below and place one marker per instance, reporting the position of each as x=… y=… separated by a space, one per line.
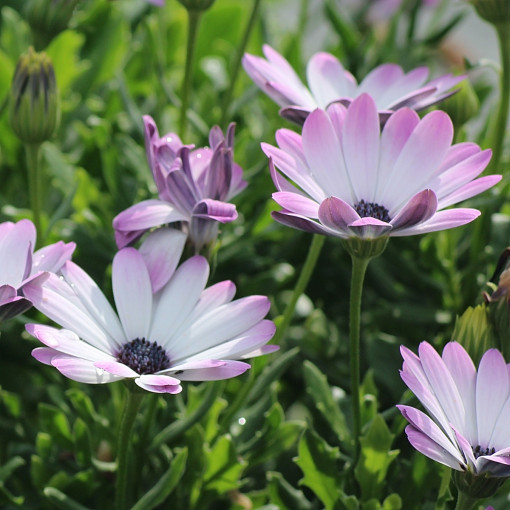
x=478 y=451
x=143 y=357
x=372 y=210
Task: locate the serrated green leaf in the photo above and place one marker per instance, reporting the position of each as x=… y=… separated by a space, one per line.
x=318 y=462
x=55 y=422
x=375 y=458
x=165 y=485
x=284 y=495
x=319 y=390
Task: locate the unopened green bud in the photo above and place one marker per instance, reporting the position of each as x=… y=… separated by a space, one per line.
x=47 y=18
x=493 y=11
x=197 y=5
x=463 y=105
x=34 y=102
x=474 y=332
x=477 y=487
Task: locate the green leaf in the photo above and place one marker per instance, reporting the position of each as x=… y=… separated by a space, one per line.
x=375 y=458
x=59 y=500
x=319 y=390
x=14 y=36
x=55 y=422
x=165 y=485
x=43 y=444
x=82 y=447
x=224 y=468
x=318 y=462
x=9 y=467
x=284 y=495
x=39 y=472
x=392 y=502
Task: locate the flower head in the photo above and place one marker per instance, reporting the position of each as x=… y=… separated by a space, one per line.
x=168 y=327
x=329 y=82
x=356 y=181
x=20 y=264
x=34 y=109
x=194 y=187
x=468 y=411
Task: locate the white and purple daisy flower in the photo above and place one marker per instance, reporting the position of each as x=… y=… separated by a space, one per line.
x=329 y=82
x=194 y=187
x=352 y=180
x=168 y=327
x=19 y=264
x=468 y=411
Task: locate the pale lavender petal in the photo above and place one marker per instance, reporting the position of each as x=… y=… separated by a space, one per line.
x=337 y=215
x=51 y=258
x=147 y=214
x=296 y=114
x=7 y=293
x=303 y=223
x=500 y=437
x=82 y=370
x=469 y=190
x=403 y=86
x=442 y=220
x=379 y=80
x=159 y=380
x=324 y=156
x=419 y=209
x=281 y=183
x=173 y=389
x=44 y=354
x=297 y=204
x=431 y=449
x=327 y=79
x=360 y=147
x=161 y=251
x=228 y=370
x=16 y=247
x=215 y=210
x=370 y=228
x=492 y=391
x=177 y=300
x=94 y=301
x=132 y=291
x=465 y=447
x=116 y=368
x=181 y=190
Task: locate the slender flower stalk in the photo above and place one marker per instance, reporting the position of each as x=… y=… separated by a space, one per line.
x=193 y=23
x=464 y=502
x=237 y=63
x=34 y=186
x=500 y=127
x=132 y=403
x=304 y=277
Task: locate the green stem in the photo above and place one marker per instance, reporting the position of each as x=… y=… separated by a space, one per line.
x=237 y=64
x=193 y=22
x=359 y=268
x=304 y=278
x=131 y=406
x=498 y=135
x=34 y=186
x=464 y=502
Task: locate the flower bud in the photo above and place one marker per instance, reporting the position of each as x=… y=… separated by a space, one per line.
x=493 y=11
x=463 y=105
x=47 y=18
x=474 y=332
x=196 y=5
x=477 y=486
x=34 y=110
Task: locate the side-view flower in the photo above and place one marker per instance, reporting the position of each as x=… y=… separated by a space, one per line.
x=355 y=181
x=194 y=187
x=168 y=327
x=468 y=411
x=20 y=264
x=329 y=82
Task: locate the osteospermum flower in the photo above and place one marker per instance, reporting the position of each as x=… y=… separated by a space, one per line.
x=19 y=264
x=329 y=82
x=468 y=411
x=355 y=181
x=194 y=187
x=168 y=327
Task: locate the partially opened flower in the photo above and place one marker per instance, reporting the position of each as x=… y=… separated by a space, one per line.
x=329 y=82
x=19 y=264
x=194 y=187
x=354 y=181
x=168 y=327
x=466 y=427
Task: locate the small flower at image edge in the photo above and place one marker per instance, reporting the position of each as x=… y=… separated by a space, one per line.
x=329 y=82
x=194 y=187
x=468 y=414
x=168 y=327
x=354 y=181
x=20 y=264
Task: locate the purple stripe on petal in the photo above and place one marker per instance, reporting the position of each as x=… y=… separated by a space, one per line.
x=215 y=210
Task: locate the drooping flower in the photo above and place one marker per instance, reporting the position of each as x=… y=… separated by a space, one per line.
x=329 y=82
x=19 y=264
x=468 y=411
x=168 y=327
x=354 y=181
x=194 y=187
